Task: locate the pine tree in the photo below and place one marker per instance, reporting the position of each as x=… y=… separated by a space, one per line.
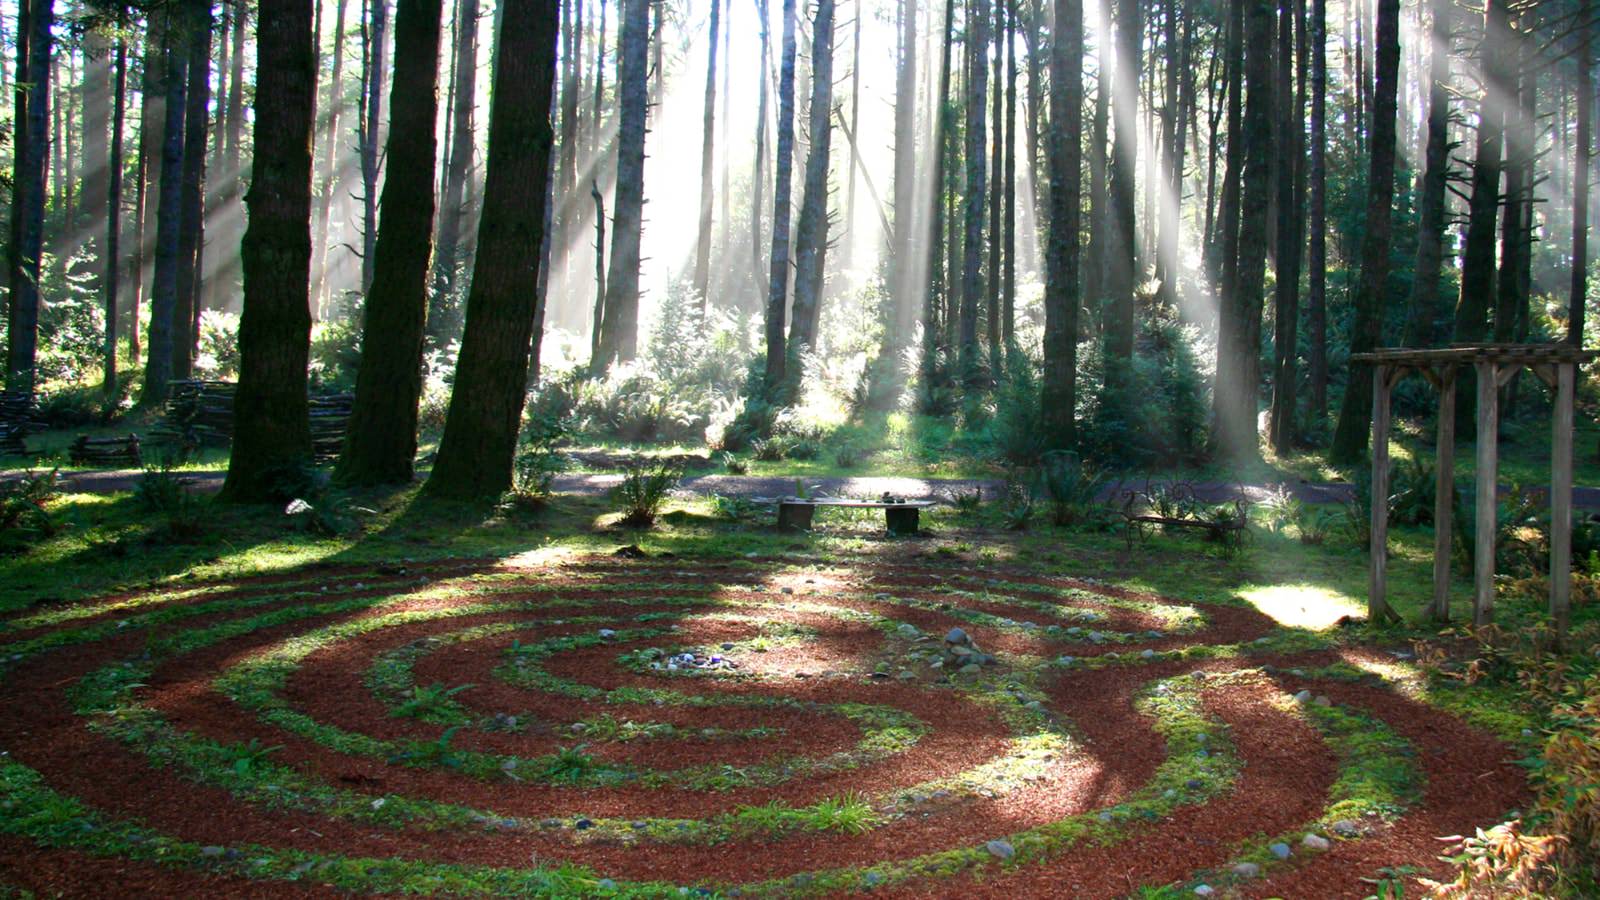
x=381 y=438
x=1062 y=299
x=480 y=435
x=272 y=426
x=619 y=332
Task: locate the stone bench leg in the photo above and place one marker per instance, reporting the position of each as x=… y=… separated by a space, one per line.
x=902 y=520
x=795 y=516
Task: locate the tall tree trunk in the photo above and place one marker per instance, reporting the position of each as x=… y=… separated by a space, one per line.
x=997 y=163
x=1478 y=255
x=855 y=154
x=1062 y=300
x=1582 y=161
x=1170 y=192
x=565 y=184
x=1317 y=286
x=272 y=427
x=598 y=114
x=904 y=284
x=1033 y=42
x=480 y=435
x=1094 y=279
x=31 y=124
x=373 y=54
x=1008 y=274
x=1286 y=308
x=164 y=289
x=758 y=177
x=599 y=268
x=152 y=119
x=233 y=174
x=702 y=253
x=619 y=333
x=778 y=271
x=381 y=439
x=96 y=94
x=331 y=141
x=113 y=205
x=191 y=221
x=938 y=285
x=1123 y=252
x=976 y=193
x=1239 y=334
x=1510 y=299
x=811 y=233
x=1424 y=306
x=1355 y=414
x=1232 y=177
x=444 y=319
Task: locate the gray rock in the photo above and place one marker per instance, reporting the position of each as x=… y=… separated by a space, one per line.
x=872 y=879
x=1147 y=654
x=606 y=884
x=957 y=637
x=607 y=633
x=1303 y=698
x=1315 y=842
x=1066 y=660
x=1323 y=701
x=212 y=851
x=970 y=669
x=1001 y=849
x=1204 y=890
x=1105 y=818
x=1346 y=828
x=1280 y=850
x=1247 y=870
x=1097 y=637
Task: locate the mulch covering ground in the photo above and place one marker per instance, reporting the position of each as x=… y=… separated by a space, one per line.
x=255 y=738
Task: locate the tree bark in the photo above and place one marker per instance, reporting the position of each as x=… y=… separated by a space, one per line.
x=164 y=289
x=758 y=177
x=811 y=233
x=1123 y=252
x=997 y=162
x=1286 y=310
x=708 y=121
x=191 y=221
x=152 y=119
x=331 y=140
x=31 y=123
x=619 y=332
x=372 y=120
x=1582 y=161
x=1478 y=255
x=904 y=284
x=938 y=285
x=113 y=253
x=778 y=270
x=1008 y=272
x=1424 y=306
x=480 y=436
x=381 y=438
x=975 y=195
x=1317 y=286
x=272 y=429
x=1239 y=334
x=96 y=103
x=444 y=319
x=1062 y=299
x=1355 y=414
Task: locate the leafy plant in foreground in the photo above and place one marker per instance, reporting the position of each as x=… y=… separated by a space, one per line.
x=644 y=491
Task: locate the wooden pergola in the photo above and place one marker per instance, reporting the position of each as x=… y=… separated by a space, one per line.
x=1554 y=364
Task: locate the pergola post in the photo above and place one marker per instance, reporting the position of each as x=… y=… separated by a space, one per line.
x=1561 y=501
x=1487 y=482
x=1377 y=585
x=1444 y=494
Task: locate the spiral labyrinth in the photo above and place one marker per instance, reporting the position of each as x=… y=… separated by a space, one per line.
x=745 y=728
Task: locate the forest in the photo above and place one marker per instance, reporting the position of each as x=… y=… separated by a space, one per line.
x=399 y=394
x=1130 y=233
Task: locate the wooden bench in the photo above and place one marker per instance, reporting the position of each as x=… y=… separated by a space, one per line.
x=900 y=515
x=106 y=451
x=1230 y=533
x=1177 y=506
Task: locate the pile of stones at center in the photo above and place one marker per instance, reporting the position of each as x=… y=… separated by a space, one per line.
x=962 y=654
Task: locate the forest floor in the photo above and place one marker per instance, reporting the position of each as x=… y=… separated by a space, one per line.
x=432 y=699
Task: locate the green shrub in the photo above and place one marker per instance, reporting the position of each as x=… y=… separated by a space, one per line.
x=771 y=449
x=1074 y=489
x=644 y=491
x=538 y=462
x=847 y=456
x=1016 y=431
x=24 y=508
x=733 y=464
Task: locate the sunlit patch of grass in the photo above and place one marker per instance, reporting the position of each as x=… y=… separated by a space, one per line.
x=1303 y=605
